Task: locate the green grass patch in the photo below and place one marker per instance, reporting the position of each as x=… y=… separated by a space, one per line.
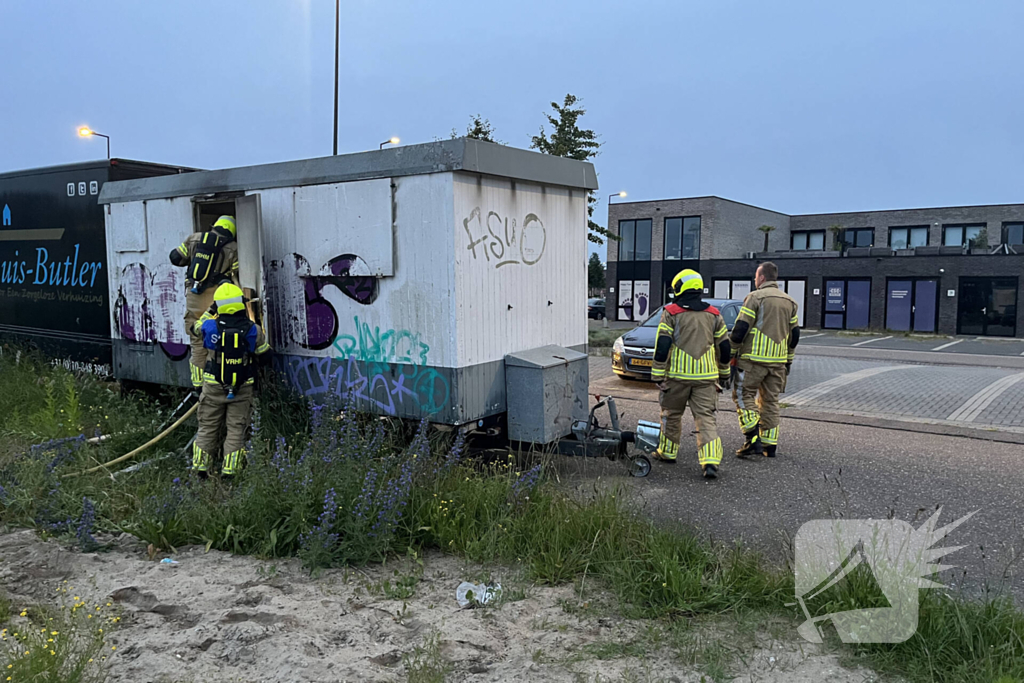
x=603 y=338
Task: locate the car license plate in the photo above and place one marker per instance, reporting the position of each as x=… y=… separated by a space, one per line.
x=641 y=362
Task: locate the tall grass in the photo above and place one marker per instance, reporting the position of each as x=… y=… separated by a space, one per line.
x=335 y=487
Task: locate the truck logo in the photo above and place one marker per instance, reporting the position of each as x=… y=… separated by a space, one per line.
x=7 y=215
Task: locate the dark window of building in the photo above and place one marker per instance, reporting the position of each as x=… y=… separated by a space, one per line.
x=909 y=237
x=643 y=240
x=1013 y=233
x=858 y=237
x=960 y=235
x=627 y=235
x=813 y=240
x=682 y=238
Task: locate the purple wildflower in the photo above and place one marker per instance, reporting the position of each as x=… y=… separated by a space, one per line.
x=84 y=529
x=322 y=537
x=526 y=483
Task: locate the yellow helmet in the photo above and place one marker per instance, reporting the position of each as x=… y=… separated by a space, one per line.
x=226 y=223
x=687 y=280
x=229 y=299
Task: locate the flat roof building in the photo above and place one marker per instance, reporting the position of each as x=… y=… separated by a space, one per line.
x=950 y=270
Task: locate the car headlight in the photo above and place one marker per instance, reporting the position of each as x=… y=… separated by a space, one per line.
x=619 y=346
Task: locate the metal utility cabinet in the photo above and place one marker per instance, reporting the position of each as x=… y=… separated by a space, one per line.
x=400 y=278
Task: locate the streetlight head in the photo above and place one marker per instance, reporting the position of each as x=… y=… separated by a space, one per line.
x=622 y=194
x=85 y=131
x=394 y=141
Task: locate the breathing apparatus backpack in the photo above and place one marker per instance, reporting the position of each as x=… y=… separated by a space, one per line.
x=231 y=362
x=204 y=258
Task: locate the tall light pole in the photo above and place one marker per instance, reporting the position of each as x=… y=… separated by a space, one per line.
x=337 y=58
x=617 y=194
x=87 y=132
x=390 y=141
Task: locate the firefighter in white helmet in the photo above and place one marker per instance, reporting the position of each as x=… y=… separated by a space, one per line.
x=691 y=355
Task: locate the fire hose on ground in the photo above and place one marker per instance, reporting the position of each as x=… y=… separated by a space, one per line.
x=132 y=454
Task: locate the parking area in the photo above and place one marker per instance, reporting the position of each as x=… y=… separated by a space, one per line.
x=984 y=346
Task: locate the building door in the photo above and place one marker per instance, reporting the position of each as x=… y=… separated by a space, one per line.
x=910 y=305
x=847 y=304
x=988 y=306
x=797 y=289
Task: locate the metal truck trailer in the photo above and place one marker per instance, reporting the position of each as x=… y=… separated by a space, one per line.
x=405 y=279
x=53 y=272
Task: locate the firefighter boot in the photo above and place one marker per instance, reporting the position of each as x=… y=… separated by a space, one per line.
x=752 y=445
x=769 y=450
x=710 y=472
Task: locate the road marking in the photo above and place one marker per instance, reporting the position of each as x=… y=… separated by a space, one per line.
x=973 y=407
x=812 y=336
x=946 y=346
x=807 y=395
x=871 y=341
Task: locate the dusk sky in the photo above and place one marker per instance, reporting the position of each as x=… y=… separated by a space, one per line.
x=800 y=107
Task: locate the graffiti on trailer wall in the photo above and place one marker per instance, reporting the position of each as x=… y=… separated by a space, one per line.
x=495 y=239
x=385 y=371
x=339 y=272
x=145 y=310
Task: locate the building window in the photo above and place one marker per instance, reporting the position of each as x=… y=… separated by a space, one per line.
x=682 y=238
x=858 y=237
x=960 y=235
x=1013 y=233
x=908 y=238
x=635 y=244
x=813 y=240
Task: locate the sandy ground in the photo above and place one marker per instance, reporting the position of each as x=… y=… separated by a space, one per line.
x=219 y=617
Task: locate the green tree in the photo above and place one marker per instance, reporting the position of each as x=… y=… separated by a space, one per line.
x=595 y=272
x=479 y=129
x=568 y=140
x=767 y=230
x=837 y=236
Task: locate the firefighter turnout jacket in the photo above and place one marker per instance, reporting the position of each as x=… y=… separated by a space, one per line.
x=210 y=258
x=692 y=344
x=766 y=329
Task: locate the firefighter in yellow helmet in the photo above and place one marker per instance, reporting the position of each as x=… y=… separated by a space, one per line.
x=764 y=341
x=232 y=342
x=211 y=258
x=691 y=355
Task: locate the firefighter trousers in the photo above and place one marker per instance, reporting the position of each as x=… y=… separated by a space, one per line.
x=702 y=398
x=195 y=306
x=756 y=394
x=217 y=412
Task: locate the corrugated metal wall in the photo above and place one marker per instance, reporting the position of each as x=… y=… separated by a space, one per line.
x=521 y=261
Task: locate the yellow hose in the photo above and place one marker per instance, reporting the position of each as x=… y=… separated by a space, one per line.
x=138 y=450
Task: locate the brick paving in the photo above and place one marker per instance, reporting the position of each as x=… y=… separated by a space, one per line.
x=909 y=392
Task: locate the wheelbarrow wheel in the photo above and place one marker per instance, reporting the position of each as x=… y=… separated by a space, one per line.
x=640 y=466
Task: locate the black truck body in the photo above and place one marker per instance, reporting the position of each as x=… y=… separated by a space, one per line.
x=53 y=259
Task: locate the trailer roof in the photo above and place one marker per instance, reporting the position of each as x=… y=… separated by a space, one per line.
x=90 y=165
x=461 y=154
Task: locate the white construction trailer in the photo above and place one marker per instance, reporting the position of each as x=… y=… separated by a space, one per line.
x=407 y=280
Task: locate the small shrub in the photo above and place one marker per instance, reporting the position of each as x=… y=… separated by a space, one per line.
x=63 y=645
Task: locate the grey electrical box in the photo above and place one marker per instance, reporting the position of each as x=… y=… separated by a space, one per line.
x=546 y=391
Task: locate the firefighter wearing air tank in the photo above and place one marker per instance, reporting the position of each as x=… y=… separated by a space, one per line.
x=691 y=355
x=764 y=341
x=211 y=258
x=232 y=341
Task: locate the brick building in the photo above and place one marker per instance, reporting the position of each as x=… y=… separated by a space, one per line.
x=952 y=270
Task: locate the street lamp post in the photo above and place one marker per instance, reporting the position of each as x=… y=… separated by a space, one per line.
x=617 y=194
x=337 y=56
x=87 y=132
x=390 y=141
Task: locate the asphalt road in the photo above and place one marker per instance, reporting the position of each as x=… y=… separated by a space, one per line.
x=830 y=468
